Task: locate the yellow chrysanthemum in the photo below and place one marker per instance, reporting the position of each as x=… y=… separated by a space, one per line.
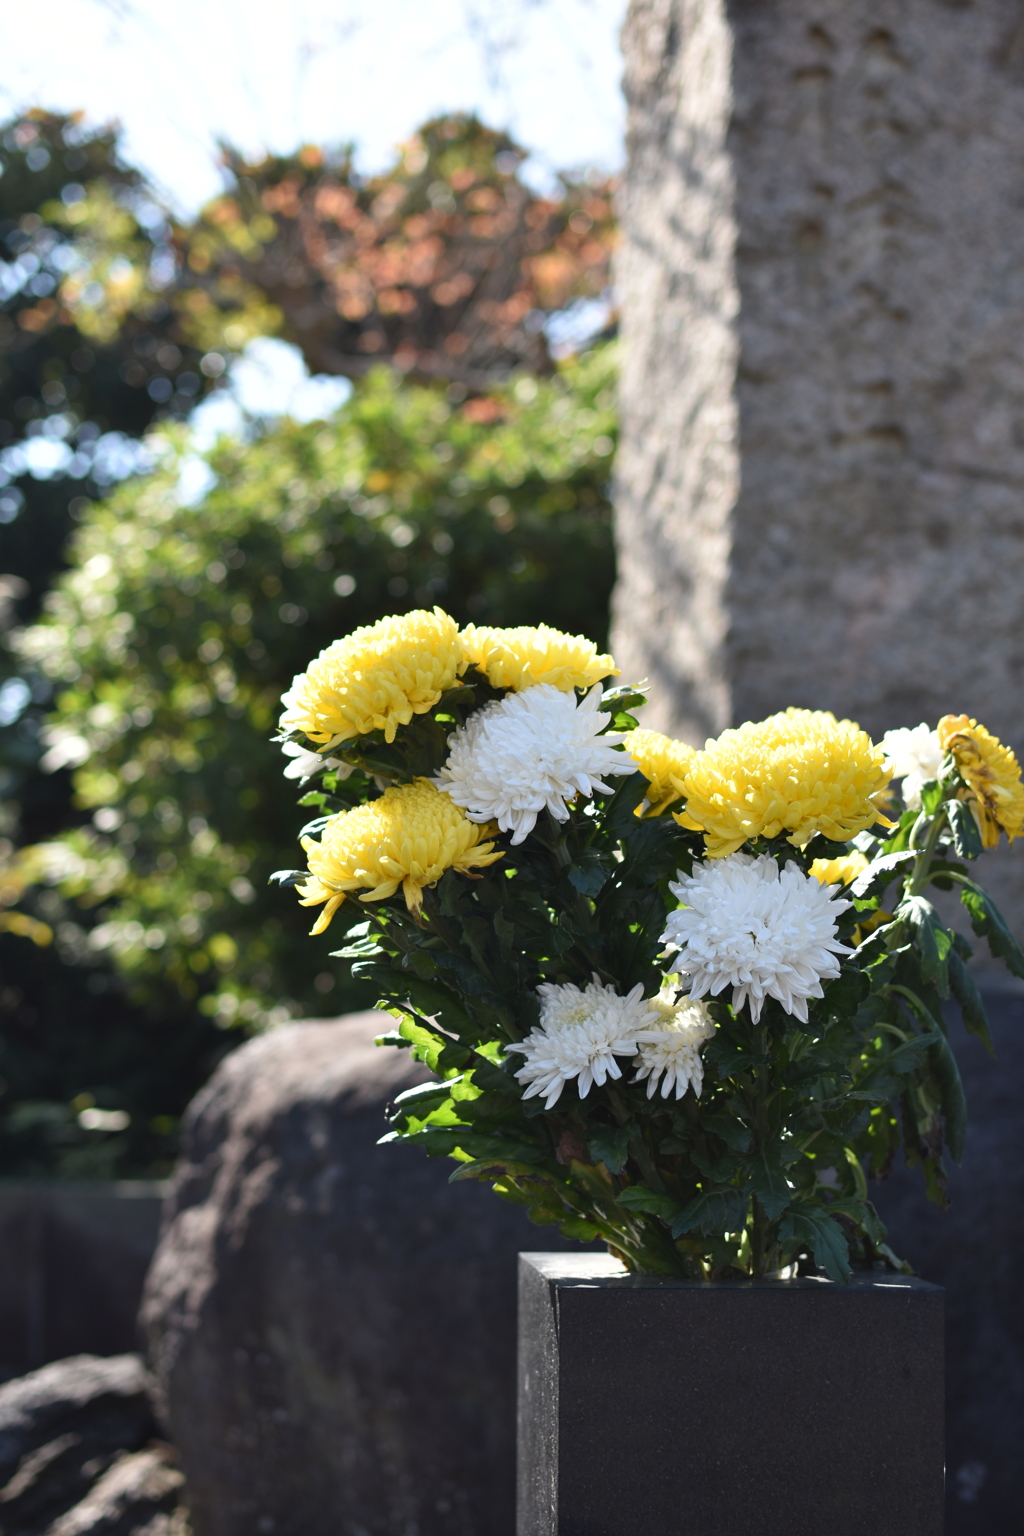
x=407 y=838
x=664 y=762
x=992 y=773
x=375 y=679
x=519 y=658
x=800 y=772
x=842 y=871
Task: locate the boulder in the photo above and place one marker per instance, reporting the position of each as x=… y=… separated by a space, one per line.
x=332 y=1323
x=137 y=1496
x=61 y=1427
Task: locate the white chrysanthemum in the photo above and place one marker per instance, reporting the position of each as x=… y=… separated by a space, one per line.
x=307 y=763
x=670 y=1050
x=580 y=1035
x=915 y=756
x=530 y=750
x=765 y=932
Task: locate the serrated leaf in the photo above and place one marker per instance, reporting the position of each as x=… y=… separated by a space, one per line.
x=972 y=1008
x=862 y=1213
x=588 y=874
x=652 y=1201
x=987 y=920
x=714 y=1211
x=769 y=1183
x=577 y=1230
x=733 y=1132
x=287 y=876
x=934 y=942
x=966 y=835
x=812 y=1227
x=610 y=1145
x=953 y=1099
x=879 y=873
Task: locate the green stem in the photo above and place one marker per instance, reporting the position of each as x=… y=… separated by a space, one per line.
x=758 y=1239
x=923 y=863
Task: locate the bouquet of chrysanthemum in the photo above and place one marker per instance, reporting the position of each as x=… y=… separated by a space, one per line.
x=683 y=1001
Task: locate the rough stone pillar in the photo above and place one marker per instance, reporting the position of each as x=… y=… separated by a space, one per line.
x=821 y=479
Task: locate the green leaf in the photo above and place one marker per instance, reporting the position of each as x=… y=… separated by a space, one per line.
x=969 y=998
x=953 y=1100
x=987 y=920
x=423 y=1096
x=626 y=696
x=812 y=1227
x=934 y=942
x=879 y=873
x=393 y=1037
x=588 y=874
x=862 y=1213
x=610 y=1145
x=769 y=1182
x=579 y=1231
x=713 y=1211
x=287 y=876
x=637 y=1198
x=733 y=1132
x=966 y=836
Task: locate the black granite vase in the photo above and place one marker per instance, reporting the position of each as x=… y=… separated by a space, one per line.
x=740 y=1408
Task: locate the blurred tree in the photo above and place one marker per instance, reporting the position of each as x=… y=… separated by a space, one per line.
x=91 y=355
x=447 y=266
x=179 y=626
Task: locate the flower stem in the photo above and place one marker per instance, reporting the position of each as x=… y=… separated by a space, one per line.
x=923 y=863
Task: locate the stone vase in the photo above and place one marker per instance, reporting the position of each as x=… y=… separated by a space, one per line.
x=753 y=1408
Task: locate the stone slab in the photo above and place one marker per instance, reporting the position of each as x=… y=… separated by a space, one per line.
x=746 y=1409
x=820 y=478
x=73 y=1258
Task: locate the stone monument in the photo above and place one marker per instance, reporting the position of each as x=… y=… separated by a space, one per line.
x=821 y=474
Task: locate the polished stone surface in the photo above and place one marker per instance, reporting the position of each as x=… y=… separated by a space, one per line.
x=745 y=1409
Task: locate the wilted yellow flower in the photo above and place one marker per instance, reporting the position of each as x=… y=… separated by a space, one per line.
x=992 y=773
x=664 y=762
x=407 y=838
x=519 y=658
x=800 y=772
x=841 y=871
x=375 y=679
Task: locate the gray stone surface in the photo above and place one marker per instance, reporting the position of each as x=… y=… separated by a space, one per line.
x=821 y=471
x=332 y=1323
x=773 y=1406
x=975 y=1249
x=137 y=1496
x=73 y=1256
x=61 y=1428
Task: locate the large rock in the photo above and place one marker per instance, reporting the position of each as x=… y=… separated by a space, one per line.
x=822 y=290
x=976 y=1250
x=332 y=1323
x=61 y=1428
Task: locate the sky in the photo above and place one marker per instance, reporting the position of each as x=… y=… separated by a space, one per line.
x=271 y=74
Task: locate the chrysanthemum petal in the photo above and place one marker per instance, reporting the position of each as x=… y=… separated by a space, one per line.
x=525 y=656
x=796 y=773
x=408 y=837
x=991 y=773
x=529 y=751
x=375 y=679
x=765 y=932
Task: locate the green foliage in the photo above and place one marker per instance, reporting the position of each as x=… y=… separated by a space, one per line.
x=179 y=626
x=768 y=1169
